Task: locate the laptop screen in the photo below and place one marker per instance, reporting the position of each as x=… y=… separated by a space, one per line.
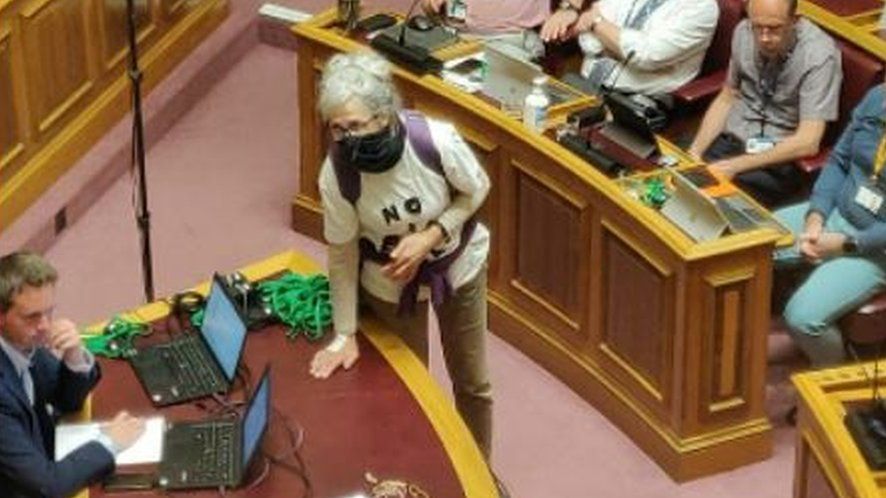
x=223 y=330
x=256 y=419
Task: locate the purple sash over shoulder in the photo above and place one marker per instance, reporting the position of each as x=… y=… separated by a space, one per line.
x=434 y=274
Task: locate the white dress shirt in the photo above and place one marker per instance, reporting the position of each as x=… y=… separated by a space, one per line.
x=667 y=51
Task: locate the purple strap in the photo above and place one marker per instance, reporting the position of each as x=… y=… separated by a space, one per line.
x=434 y=274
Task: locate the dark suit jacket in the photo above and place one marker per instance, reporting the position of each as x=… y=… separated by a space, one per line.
x=27 y=464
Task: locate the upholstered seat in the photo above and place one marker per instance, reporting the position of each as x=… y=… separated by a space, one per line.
x=867 y=324
x=861 y=71
x=702 y=90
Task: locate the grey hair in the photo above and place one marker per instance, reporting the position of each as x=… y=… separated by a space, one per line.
x=362 y=75
x=23 y=269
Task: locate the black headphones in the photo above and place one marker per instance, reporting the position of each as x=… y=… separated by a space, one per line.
x=183 y=306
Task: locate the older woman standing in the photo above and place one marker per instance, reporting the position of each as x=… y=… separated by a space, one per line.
x=842 y=231
x=399 y=194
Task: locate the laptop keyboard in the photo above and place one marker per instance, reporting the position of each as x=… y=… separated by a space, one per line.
x=740 y=217
x=194 y=375
x=215 y=462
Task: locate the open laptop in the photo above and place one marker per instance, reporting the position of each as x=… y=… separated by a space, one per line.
x=195 y=365
x=705 y=218
x=692 y=210
x=213 y=453
x=509 y=77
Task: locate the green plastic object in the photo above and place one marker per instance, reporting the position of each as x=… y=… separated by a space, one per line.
x=300 y=301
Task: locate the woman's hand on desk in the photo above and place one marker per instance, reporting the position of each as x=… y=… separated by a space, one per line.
x=342 y=351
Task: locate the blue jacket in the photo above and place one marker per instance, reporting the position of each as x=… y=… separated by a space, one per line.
x=850 y=166
x=27 y=466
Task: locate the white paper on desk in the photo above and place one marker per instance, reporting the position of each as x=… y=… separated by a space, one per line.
x=147 y=449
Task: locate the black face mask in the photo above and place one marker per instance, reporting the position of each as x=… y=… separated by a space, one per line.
x=372 y=153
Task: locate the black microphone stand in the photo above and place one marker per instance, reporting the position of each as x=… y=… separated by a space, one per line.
x=143 y=216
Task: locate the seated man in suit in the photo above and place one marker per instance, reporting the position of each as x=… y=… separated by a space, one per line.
x=45 y=372
x=508 y=21
x=782 y=87
x=643 y=46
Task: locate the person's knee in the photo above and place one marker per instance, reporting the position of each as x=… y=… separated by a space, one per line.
x=802 y=318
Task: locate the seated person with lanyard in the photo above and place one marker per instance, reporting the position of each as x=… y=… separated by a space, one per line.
x=46 y=372
x=782 y=86
x=841 y=235
x=509 y=21
x=640 y=46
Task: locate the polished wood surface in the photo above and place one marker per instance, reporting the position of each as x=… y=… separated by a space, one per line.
x=665 y=336
x=857 y=22
x=385 y=415
x=63 y=80
x=828 y=462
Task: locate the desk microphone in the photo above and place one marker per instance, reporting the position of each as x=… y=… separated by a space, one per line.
x=413 y=57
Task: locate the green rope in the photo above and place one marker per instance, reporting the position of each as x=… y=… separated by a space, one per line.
x=301 y=302
x=117 y=338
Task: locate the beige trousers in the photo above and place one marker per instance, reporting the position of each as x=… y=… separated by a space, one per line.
x=462 y=321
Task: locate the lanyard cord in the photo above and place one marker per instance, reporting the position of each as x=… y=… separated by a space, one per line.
x=880 y=158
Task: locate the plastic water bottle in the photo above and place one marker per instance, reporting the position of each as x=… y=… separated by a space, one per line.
x=535 y=107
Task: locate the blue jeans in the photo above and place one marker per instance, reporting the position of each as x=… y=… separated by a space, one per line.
x=832 y=289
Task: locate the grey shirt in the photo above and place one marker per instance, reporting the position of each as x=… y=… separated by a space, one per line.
x=777 y=95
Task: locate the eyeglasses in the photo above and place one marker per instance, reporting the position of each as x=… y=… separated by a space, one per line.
x=777 y=30
x=351 y=129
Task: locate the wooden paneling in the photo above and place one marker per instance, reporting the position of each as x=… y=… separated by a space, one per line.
x=726 y=374
x=815 y=483
x=638 y=323
x=10 y=132
x=114 y=30
x=63 y=83
x=58 y=72
x=547 y=254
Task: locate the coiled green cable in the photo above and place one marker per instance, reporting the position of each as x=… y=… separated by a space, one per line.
x=300 y=301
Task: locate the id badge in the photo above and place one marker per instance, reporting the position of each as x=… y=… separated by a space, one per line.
x=456 y=10
x=756 y=145
x=870 y=198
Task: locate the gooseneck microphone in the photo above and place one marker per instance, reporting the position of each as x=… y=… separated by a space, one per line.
x=413 y=57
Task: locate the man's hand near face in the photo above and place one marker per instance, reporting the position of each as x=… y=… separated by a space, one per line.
x=64 y=338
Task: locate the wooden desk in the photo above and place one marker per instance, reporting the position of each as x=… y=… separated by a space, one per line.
x=861 y=26
x=385 y=415
x=666 y=337
x=828 y=462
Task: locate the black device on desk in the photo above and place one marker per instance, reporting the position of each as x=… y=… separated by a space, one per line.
x=193 y=366
x=632 y=126
x=414 y=57
x=585 y=149
x=376 y=22
x=215 y=453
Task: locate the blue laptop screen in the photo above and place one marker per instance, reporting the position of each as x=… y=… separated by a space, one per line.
x=256 y=419
x=223 y=330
